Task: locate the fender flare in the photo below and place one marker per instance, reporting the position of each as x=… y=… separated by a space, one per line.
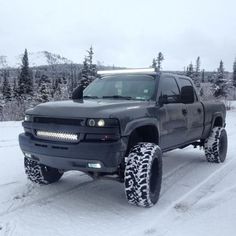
x=215 y=116
x=134 y=124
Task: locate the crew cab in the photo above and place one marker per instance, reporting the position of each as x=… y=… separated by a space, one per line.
x=120 y=125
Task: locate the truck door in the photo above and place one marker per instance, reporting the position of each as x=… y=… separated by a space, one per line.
x=172 y=114
x=195 y=114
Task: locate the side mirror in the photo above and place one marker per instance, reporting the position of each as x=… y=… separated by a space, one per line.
x=187 y=94
x=78 y=93
x=163 y=100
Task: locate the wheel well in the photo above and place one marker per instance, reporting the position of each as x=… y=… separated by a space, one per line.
x=218 y=122
x=147 y=133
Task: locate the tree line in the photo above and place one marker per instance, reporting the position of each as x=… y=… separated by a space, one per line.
x=31 y=87
x=220 y=85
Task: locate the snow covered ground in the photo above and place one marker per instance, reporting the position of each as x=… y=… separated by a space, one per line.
x=197 y=198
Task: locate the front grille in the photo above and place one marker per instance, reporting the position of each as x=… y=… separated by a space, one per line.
x=58 y=121
x=57 y=136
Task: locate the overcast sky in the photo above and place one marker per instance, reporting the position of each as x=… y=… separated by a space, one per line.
x=123 y=32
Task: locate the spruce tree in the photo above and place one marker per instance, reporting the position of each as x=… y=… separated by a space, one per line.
x=203 y=76
x=15 y=90
x=25 y=78
x=221 y=85
x=43 y=89
x=160 y=59
x=90 y=56
x=89 y=70
x=196 y=77
x=234 y=73
x=154 y=64
x=6 y=89
x=190 y=71
x=220 y=72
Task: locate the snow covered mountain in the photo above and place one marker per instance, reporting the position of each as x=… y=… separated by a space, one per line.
x=35 y=59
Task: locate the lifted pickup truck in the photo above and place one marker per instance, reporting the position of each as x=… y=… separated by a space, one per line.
x=120 y=125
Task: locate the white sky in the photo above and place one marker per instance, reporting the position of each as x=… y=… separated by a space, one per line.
x=125 y=32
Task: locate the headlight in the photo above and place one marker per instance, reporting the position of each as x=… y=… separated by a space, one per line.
x=27 y=118
x=102 y=123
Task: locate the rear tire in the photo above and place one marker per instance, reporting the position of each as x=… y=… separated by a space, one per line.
x=41 y=174
x=216 y=145
x=143 y=174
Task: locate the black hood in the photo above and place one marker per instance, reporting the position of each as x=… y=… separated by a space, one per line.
x=98 y=108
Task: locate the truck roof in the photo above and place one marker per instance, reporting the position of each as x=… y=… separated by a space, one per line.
x=144 y=71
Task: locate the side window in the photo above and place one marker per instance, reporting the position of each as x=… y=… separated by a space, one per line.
x=185 y=82
x=170 y=90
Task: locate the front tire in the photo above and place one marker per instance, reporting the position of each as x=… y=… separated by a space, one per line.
x=216 y=145
x=143 y=174
x=41 y=174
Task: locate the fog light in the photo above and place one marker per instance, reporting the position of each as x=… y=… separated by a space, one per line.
x=27 y=118
x=28 y=155
x=94 y=165
x=91 y=122
x=101 y=123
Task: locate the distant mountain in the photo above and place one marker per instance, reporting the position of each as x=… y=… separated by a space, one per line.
x=41 y=58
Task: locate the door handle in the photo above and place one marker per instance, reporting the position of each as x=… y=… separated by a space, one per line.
x=199 y=110
x=184 y=111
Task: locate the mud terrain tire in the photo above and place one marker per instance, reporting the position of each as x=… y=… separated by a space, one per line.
x=143 y=174
x=216 y=145
x=41 y=174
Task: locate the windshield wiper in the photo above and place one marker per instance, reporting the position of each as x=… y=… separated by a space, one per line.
x=94 y=97
x=118 y=97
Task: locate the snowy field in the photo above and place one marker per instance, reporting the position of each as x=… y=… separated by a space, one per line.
x=197 y=198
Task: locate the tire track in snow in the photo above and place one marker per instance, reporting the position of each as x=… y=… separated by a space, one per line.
x=186 y=201
x=191 y=198
x=5 y=143
x=175 y=176
x=7 y=184
x=43 y=200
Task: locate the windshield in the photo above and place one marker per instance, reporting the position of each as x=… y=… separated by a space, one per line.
x=135 y=87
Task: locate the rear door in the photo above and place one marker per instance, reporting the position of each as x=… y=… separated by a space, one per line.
x=195 y=114
x=172 y=114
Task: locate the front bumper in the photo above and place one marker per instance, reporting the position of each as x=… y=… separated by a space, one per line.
x=75 y=156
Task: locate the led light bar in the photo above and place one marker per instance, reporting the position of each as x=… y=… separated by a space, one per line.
x=57 y=136
x=125 y=71
x=95 y=165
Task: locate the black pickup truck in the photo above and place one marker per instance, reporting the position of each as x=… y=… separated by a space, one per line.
x=120 y=125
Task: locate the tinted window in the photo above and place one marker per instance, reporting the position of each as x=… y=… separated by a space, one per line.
x=137 y=87
x=185 y=82
x=170 y=90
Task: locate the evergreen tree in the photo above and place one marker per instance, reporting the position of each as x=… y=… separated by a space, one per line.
x=85 y=69
x=198 y=64
x=196 y=76
x=89 y=70
x=25 y=78
x=43 y=93
x=6 y=89
x=220 y=72
x=92 y=67
x=15 y=91
x=90 y=56
x=234 y=73
x=221 y=85
x=190 y=71
x=43 y=89
x=154 y=64
x=160 y=59
x=203 y=76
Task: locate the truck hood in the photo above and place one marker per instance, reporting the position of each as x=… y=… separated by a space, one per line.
x=87 y=108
